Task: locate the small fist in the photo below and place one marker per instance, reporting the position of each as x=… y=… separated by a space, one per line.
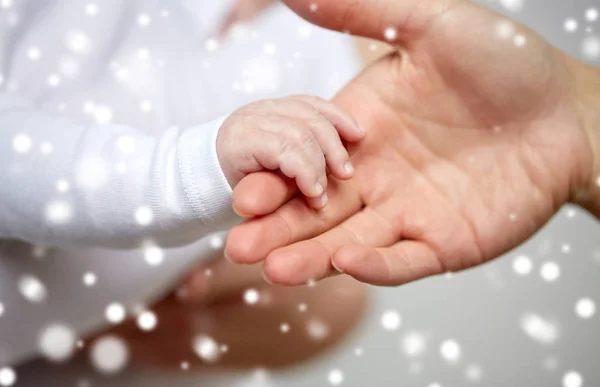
x=300 y=136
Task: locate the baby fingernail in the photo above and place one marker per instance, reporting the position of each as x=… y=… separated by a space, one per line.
x=324 y=200
x=318 y=189
x=349 y=168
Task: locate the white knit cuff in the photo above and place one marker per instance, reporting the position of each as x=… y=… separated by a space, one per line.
x=205 y=185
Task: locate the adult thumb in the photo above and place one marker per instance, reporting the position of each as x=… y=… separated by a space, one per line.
x=393 y=21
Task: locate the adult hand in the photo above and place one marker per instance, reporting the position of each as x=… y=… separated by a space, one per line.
x=476 y=135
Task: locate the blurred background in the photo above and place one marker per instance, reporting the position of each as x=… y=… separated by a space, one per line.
x=527 y=319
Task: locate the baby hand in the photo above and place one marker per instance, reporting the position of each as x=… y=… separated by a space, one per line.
x=298 y=135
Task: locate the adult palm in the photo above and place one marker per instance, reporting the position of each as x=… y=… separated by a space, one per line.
x=473 y=142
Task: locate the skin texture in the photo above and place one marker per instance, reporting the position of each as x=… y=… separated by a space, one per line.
x=476 y=136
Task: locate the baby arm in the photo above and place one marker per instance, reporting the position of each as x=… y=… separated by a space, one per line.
x=70 y=183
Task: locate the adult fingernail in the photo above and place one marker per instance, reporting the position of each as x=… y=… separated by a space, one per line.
x=267 y=280
x=349 y=168
x=238 y=213
x=336 y=267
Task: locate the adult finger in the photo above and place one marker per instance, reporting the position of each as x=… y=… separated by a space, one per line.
x=387 y=20
x=404 y=262
x=261 y=193
x=251 y=241
x=312 y=259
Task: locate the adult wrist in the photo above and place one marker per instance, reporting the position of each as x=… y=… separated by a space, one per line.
x=586 y=192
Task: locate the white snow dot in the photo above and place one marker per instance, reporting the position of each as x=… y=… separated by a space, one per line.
x=143 y=53
x=92 y=173
x=585 y=308
x=304 y=32
x=216 y=242
x=8 y=377
x=185 y=365
x=208 y=272
x=450 y=351
x=144 y=20
x=571 y=25
x=57 y=342
x=62 y=186
x=147 y=321
x=109 y=355
x=34 y=53
x=211 y=45
x=53 y=80
x=435 y=385
x=22 y=143
x=103 y=114
x=1 y=309
x=6 y=4
x=206 y=348
x=335 y=377
x=591 y=47
x=47 y=148
x=92 y=9
x=358 y=352
x=391 y=320
x=302 y=307
x=284 y=327
x=520 y=40
x=539 y=329
x=122 y=73
x=89 y=279
x=39 y=252
x=591 y=14
x=126 y=144
x=58 y=212
x=572 y=379
x=413 y=344
x=144 y=215
x=550 y=271
x=269 y=49
x=32 y=289
x=513 y=5
x=505 y=29
x=115 y=313
x=146 y=106
x=317 y=329
x=69 y=67
x=153 y=255
x=78 y=42
x=390 y=34
x=251 y=296
x=473 y=373
x=522 y=265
